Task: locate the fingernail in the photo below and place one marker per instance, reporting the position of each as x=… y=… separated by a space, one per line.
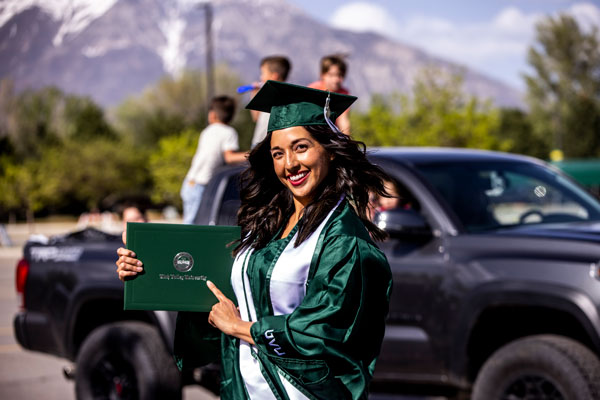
x=133 y=254
x=139 y=263
x=208 y=283
x=139 y=269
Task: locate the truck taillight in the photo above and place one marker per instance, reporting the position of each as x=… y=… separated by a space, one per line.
x=21 y=278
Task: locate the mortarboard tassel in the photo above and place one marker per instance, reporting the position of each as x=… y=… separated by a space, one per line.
x=327 y=113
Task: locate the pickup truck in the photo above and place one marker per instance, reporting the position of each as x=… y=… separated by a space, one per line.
x=496 y=266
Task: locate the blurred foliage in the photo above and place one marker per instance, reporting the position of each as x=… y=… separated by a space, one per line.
x=173 y=105
x=244 y=125
x=35 y=119
x=436 y=113
x=563 y=93
x=28 y=120
x=515 y=128
x=82 y=174
x=169 y=164
x=18 y=186
x=72 y=177
x=60 y=154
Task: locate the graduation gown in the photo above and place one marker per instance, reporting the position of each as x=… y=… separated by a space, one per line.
x=318 y=311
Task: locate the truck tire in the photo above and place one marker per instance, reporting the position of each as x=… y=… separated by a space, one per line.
x=126 y=360
x=540 y=367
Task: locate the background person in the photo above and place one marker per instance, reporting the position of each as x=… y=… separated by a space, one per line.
x=274 y=68
x=132 y=213
x=218 y=144
x=395 y=198
x=333 y=70
x=392 y=198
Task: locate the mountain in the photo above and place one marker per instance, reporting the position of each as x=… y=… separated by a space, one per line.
x=110 y=49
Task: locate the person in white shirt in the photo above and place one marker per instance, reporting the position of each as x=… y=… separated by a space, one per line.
x=218 y=145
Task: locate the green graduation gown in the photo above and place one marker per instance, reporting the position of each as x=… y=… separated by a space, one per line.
x=327 y=345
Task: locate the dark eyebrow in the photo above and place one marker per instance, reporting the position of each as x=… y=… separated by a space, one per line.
x=298 y=140
x=293 y=143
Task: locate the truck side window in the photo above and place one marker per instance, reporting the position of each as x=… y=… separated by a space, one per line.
x=401 y=198
x=230 y=202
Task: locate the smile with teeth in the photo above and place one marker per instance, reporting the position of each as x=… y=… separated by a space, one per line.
x=299 y=178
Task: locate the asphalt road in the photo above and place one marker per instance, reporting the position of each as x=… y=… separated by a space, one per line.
x=29 y=375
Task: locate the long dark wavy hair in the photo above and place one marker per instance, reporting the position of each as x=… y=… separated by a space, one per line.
x=267 y=204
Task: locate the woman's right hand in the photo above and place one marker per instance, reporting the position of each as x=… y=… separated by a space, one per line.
x=127 y=264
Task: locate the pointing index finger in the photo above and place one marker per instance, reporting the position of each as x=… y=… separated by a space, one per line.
x=218 y=294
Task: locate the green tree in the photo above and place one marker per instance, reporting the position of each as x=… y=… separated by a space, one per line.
x=173 y=105
x=7 y=100
x=515 y=127
x=81 y=174
x=59 y=153
x=82 y=119
x=19 y=187
x=29 y=118
x=169 y=163
x=35 y=119
x=436 y=113
x=563 y=92
x=244 y=125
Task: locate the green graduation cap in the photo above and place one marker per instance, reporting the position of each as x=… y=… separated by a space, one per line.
x=293 y=105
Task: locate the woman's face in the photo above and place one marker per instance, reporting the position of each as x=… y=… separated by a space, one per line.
x=301 y=163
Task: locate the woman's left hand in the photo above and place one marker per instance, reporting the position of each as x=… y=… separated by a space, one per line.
x=225 y=316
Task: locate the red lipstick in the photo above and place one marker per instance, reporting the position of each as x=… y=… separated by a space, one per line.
x=299 y=178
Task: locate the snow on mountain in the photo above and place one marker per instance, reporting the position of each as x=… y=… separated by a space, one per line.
x=110 y=49
x=174 y=59
x=74 y=15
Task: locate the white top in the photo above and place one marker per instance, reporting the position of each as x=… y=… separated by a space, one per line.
x=287 y=290
x=260 y=130
x=215 y=139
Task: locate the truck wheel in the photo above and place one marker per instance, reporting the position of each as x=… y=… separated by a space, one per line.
x=126 y=360
x=544 y=367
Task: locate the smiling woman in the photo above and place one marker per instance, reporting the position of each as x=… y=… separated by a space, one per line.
x=312 y=288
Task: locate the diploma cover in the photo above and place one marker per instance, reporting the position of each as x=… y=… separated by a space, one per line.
x=177 y=261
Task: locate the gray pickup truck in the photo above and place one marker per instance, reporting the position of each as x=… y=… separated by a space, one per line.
x=496 y=265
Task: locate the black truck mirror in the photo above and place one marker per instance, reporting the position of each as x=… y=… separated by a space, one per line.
x=402 y=223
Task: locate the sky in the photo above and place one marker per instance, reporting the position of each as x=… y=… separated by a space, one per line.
x=491 y=36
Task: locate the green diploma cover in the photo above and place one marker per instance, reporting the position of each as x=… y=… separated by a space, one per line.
x=178 y=260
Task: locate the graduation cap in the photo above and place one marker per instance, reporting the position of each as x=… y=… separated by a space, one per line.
x=293 y=105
